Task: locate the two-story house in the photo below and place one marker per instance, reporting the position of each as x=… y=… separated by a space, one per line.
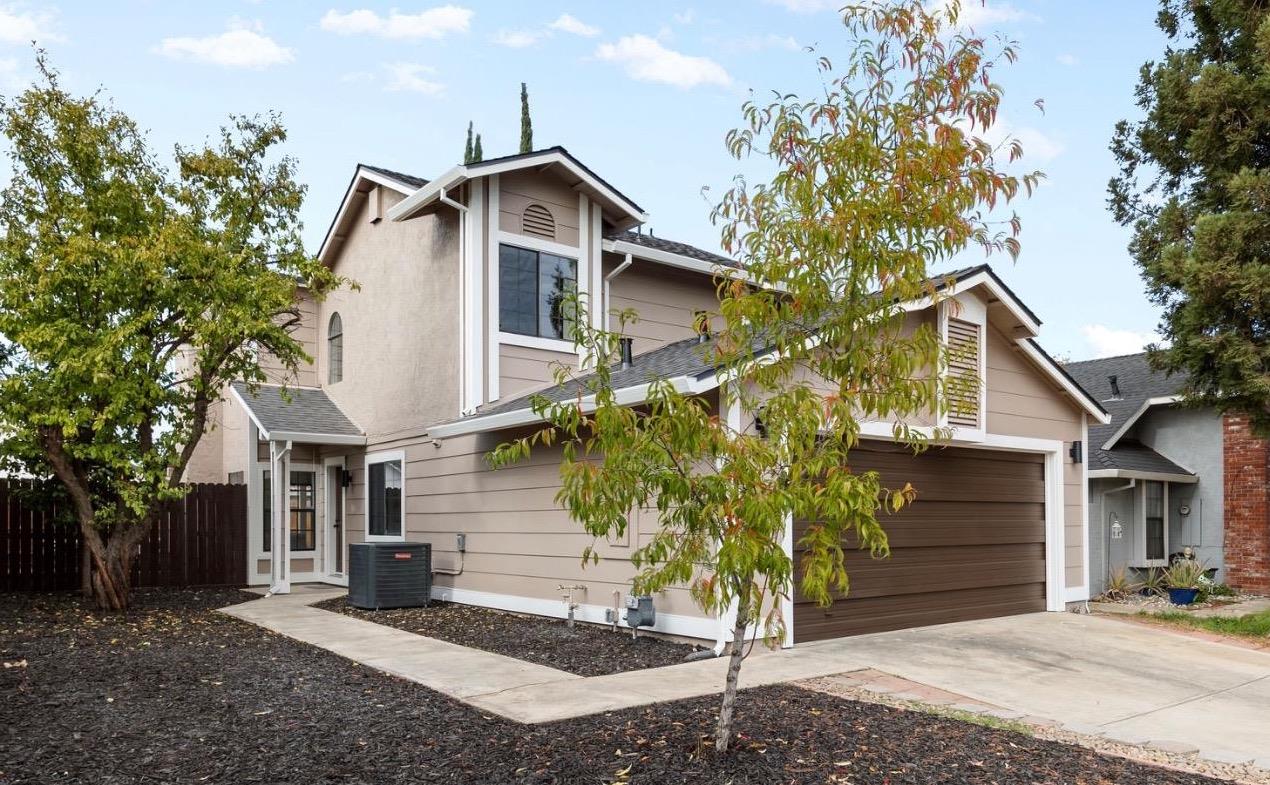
x=428 y=365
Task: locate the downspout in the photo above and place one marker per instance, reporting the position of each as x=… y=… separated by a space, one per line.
x=281 y=551
x=1106 y=538
x=608 y=279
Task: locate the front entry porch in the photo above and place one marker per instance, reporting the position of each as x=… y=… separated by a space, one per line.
x=302 y=446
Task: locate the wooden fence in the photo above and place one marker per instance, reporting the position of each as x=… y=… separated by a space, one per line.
x=200 y=540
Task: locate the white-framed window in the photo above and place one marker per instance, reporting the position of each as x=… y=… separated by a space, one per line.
x=533 y=287
x=1152 y=545
x=334 y=349
x=302 y=505
x=385 y=496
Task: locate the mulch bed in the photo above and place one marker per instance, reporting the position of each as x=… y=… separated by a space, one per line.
x=586 y=650
x=173 y=693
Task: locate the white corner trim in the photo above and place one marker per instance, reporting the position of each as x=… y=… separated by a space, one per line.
x=699 y=627
x=1162 y=400
x=384 y=456
x=1076 y=593
x=1055 y=531
x=491 y=290
x=473 y=295
x=1085 y=547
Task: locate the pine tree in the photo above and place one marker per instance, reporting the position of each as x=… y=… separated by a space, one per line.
x=526 y=125
x=477 y=154
x=467 y=150
x=1194 y=183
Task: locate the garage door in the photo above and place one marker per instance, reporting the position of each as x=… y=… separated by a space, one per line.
x=971 y=547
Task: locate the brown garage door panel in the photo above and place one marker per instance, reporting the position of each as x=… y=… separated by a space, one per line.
x=972 y=546
x=859 y=616
x=1010 y=566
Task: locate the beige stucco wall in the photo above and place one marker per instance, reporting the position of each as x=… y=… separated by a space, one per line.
x=401 y=330
x=306 y=333
x=1022 y=402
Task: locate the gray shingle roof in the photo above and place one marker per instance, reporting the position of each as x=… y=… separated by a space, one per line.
x=308 y=410
x=682 y=358
x=675 y=247
x=408 y=179
x=688 y=357
x=1137 y=382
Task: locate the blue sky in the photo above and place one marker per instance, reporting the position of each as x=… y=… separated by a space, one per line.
x=643 y=92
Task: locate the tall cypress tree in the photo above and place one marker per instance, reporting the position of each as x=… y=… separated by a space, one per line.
x=478 y=155
x=526 y=125
x=1194 y=185
x=467 y=150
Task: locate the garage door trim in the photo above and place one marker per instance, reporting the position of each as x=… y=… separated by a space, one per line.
x=1051 y=449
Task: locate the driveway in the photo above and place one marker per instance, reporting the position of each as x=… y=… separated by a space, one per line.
x=1129 y=681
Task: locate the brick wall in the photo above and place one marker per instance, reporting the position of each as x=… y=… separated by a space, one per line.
x=1246 y=472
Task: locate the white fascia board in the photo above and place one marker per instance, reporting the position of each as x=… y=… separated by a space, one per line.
x=1162 y=400
x=1059 y=378
x=456 y=175
x=362 y=174
x=426 y=195
x=1133 y=474
x=626 y=396
x=301 y=437
x=981 y=279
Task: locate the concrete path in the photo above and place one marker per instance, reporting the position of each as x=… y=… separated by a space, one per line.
x=513 y=688
x=1241 y=608
x=1094 y=675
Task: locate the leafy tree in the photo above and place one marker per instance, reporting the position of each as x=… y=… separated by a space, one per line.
x=478 y=154
x=1194 y=185
x=526 y=125
x=877 y=177
x=467 y=149
x=129 y=298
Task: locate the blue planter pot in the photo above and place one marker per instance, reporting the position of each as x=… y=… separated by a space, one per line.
x=1183 y=596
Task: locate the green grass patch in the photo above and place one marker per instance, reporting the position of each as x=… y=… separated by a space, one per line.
x=1253 y=625
x=986 y=720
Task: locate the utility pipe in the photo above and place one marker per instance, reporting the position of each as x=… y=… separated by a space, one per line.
x=1106 y=539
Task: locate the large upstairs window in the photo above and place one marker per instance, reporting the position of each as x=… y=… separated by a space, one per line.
x=532 y=290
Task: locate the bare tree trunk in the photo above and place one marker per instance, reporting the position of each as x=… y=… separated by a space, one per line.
x=112 y=562
x=723 y=735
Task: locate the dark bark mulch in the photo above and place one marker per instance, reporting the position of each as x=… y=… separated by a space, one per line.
x=182 y=695
x=586 y=650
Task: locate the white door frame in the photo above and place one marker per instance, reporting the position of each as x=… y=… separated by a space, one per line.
x=329 y=575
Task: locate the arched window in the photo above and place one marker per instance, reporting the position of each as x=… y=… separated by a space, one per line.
x=335 y=349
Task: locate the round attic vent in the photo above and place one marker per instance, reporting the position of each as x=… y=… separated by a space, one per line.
x=537 y=220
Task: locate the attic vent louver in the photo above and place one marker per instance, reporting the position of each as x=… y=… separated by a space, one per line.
x=963 y=374
x=537 y=220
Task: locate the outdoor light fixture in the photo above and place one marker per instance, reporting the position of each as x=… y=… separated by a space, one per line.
x=1077 y=452
x=346 y=478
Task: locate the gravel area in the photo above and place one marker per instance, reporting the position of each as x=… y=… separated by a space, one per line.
x=175 y=693
x=1243 y=773
x=586 y=650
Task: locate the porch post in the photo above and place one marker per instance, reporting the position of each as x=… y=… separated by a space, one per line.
x=280 y=553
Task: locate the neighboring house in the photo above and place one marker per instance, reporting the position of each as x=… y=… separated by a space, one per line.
x=427 y=367
x=1164 y=477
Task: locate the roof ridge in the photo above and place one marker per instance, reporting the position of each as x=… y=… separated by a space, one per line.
x=1102 y=359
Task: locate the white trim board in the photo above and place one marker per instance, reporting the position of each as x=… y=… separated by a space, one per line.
x=383 y=456
x=1162 y=400
x=1133 y=474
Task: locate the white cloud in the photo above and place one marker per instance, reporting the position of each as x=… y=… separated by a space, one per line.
x=684 y=17
x=412 y=77
x=646 y=60
x=1110 y=342
x=1068 y=59
x=571 y=24
x=10 y=76
x=1038 y=147
x=518 y=39
x=808 y=6
x=241 y=46
x=982 y=13
x=18 y=26
x=433 y=23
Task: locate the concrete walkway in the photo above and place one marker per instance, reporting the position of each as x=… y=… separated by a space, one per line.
x=513 y=688
x=1097 y=676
